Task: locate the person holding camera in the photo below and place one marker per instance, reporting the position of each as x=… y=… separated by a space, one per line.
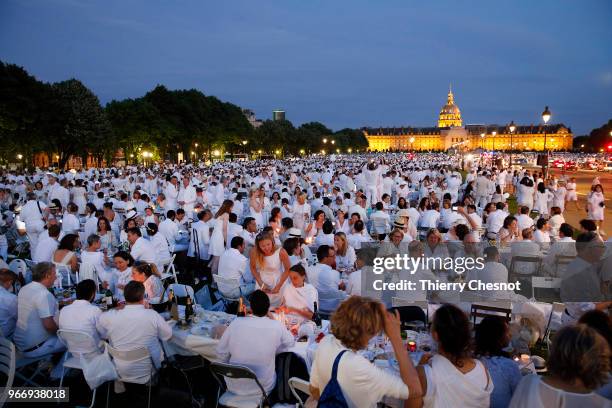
x=596 y=205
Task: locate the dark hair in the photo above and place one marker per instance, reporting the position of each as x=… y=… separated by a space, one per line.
x=135 y=231
x=106 y=223
x=67 y=242
x=462 y=231
x=508 y=220
x=291 y=244
x=287 y=222
x=125 y=256
x=54 y=230
x=41 y=270
x=600 y=321
x=92 y=239
x=298 y=268
x=85 y=289
x=328 y=227
x=379 y=206
x=323 y=252
x=499 y=206
x=566 y=229
x=541 y=222
x=134 y=292
x=180 y=211
x=246 y=221
x=541 y=187
x=358 y=226
x=588 y=225
x=171 y=214
x=524 y=210
x=236 y=242
x=233 y=217
x=491 y=336
x=152 y=228
x=260 y=303
x=453 y=329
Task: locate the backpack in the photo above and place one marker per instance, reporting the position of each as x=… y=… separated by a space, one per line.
x=289 y=365
x=332 y=396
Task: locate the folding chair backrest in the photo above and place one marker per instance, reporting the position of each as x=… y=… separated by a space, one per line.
x=234 y=371
x=19 y=267
x=544 y=282
x=121 y=358
x=88 y=271
x=182 y=291
x=77 y=341
x=480 y=311
x=7 y=366
x=297 y=384
x=63 y=274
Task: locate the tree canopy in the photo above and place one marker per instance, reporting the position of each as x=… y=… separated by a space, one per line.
x=66 y=119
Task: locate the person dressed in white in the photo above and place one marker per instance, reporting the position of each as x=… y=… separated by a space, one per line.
x=37 y=309
x=141 y=249
x=254 y=342
x=569 y=382
x=563 y=246
x=326 y=279
x=134 y=327
x=187 y=197
x=8 y=303
x=219 y=235
x=452 y=378
x=33 y=215
x=596 y=205
x=269 y=266
x=82 y=316
x=160 y=246
x=70 y=221
x=200 y=236
x=299 y=297
x=47 y=245
x=233 y=265
x=122 y=272
x=171 y=192
x=363 y=385
x=345 y=254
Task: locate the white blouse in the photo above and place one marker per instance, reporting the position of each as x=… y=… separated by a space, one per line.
x=300 y=298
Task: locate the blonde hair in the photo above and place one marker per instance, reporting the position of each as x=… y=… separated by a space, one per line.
x=356 y=318
x=256 y=253
x=342 y=249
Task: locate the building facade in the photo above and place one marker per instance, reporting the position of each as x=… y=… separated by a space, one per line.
x=451 y=134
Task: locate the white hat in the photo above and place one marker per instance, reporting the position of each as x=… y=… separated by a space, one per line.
x=294 y=232
x=130 y=215
x=403 y=213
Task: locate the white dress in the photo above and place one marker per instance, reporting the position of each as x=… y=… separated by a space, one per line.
x=541 y=202
x=80 y=198
x=532 y=392
x=525 y=195
x=571 y=192
x=217 y=242
x=270 y=275
x=596 y=212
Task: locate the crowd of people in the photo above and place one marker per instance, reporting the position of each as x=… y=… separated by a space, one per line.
x=293 y=236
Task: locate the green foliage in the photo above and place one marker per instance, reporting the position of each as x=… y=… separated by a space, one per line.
x=66 y=119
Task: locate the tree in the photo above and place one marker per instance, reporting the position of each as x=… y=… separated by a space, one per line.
x=75 y=122
x=600 y=138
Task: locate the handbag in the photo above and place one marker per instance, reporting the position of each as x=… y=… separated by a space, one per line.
x=98 y=369
x=332 y=396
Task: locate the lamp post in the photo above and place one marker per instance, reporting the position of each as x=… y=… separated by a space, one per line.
x=482 y=135
x=545 y=118
x=411 y=142
x=512 y=128
x=493 y=133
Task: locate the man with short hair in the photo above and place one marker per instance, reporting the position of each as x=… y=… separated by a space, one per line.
x=133 y=327
x=141 y=249
x=33 y=215
x=47 y=246
x=233 y=265
x=81 y=315
x=254 y=341
x=326 y=279
x=35 y=332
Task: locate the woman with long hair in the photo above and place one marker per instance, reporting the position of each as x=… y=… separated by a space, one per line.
x=256 y=206
x=65 y=254
x=122 y=271
x=541 y=199
x=106 y=234
x=525 y=192
x=345 y=254
x=149 y=275
x=219 y=235
x=269 y=266
x=452 y=378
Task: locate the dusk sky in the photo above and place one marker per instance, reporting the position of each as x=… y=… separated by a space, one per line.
x=345 y=63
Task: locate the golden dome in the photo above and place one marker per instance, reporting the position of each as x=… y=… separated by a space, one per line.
x=450 y=115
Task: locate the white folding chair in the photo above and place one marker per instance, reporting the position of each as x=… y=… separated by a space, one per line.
x=297 y=384
x=7 y=366
x=544 y=282
x=561 y=262
x=231 y=400
x=88 y=271
x=139 y=355
x=228 y=288
x=180 y=291
x=20 y=267
x=79 y=344
x=169 y=269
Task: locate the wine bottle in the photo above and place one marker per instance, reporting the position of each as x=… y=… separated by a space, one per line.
x=188 y=310
x=316 y=318
x=108 y=298
x=241 y=309
x=173 y=306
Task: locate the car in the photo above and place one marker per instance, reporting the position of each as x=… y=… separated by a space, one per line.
x=607 y=166
x=589 y=165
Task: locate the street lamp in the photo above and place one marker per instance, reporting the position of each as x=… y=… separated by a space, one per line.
x=333 y=142
x=350 y=150
x=545 y=118
x=493 y=133
x=19 y=156
x=482 y=135
x=512 y=129
x=302 y=151
x=324 y=140
x=411 y=142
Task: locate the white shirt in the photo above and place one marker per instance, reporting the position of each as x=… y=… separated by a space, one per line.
x=8 y=312
x=70 y=224
x=430 y=219
x=300 y=298
x=495 y=221
x=169 y=229
x=34 y=303
x=232 y=265
x=254 y=342
x=45 y=249
x=143 y=251
x=363 y=384
x=353 y=287
x=131 y=328
x=524 y=221
x=30 y=214
x=83 y=316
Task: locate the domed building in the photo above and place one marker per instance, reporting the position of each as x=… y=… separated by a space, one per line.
x=450 y=115
x=451 y=134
